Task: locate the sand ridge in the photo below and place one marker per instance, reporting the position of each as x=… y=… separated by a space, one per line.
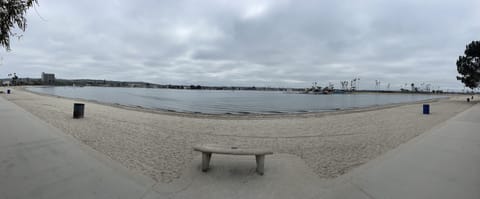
x=160 y=145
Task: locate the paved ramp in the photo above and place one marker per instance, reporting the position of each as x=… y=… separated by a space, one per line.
x=441 y=163
x=38 y=161
x=286 y=176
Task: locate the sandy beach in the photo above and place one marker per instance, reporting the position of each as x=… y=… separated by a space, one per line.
x=160 y=145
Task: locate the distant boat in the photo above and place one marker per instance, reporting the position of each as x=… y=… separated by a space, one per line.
x=340 y=91
x=74 y=85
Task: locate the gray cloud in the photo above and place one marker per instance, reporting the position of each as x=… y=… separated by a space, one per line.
x=262 y=43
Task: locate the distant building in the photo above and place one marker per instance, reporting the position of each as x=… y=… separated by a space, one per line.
x=48 y=78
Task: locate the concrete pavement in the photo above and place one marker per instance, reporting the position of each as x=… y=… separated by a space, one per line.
x=38 y=161
x=286 y=177
x=441 y=163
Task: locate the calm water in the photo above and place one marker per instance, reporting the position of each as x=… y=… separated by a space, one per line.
x=234 y=102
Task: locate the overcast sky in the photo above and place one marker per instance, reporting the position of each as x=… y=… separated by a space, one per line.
x=247 y=43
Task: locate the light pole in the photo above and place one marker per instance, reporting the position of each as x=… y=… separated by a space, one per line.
x=8 y=82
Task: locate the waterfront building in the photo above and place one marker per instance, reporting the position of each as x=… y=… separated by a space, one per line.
x=48 y=78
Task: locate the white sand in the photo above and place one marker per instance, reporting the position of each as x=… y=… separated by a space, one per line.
x=159 y=145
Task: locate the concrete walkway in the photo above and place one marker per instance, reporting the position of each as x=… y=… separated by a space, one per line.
x=38 y=161
x=441 y=163
x=286 y=177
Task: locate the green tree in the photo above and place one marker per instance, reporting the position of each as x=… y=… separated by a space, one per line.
x=12 y=13
x=469 y=65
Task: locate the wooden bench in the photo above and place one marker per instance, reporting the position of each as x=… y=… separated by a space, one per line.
x=208 y=149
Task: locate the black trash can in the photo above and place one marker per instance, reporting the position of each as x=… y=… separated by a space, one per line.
x=8 y=91
x=426 y=109
x=78 y=110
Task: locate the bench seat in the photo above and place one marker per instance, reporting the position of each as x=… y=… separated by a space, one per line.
x=208 y=149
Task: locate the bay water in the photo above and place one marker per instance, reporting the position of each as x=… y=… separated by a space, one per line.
x=228 y=101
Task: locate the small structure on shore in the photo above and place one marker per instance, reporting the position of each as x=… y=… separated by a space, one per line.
x=48 y=78
x=78 y=110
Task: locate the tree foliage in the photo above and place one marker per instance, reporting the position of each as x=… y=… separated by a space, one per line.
x=12 y=13
x=469 y=65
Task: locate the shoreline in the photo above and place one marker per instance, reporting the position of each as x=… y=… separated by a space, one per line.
x=160 y=145
x=247 y=115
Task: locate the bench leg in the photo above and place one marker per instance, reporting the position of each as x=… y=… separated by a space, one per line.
x=206 y=161
x=260 y=163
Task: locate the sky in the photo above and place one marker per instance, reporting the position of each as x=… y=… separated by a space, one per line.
x=276 y=43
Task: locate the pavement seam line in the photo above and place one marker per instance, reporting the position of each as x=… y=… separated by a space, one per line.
x=34 y=144
x=149 y=190
x=362 y=190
